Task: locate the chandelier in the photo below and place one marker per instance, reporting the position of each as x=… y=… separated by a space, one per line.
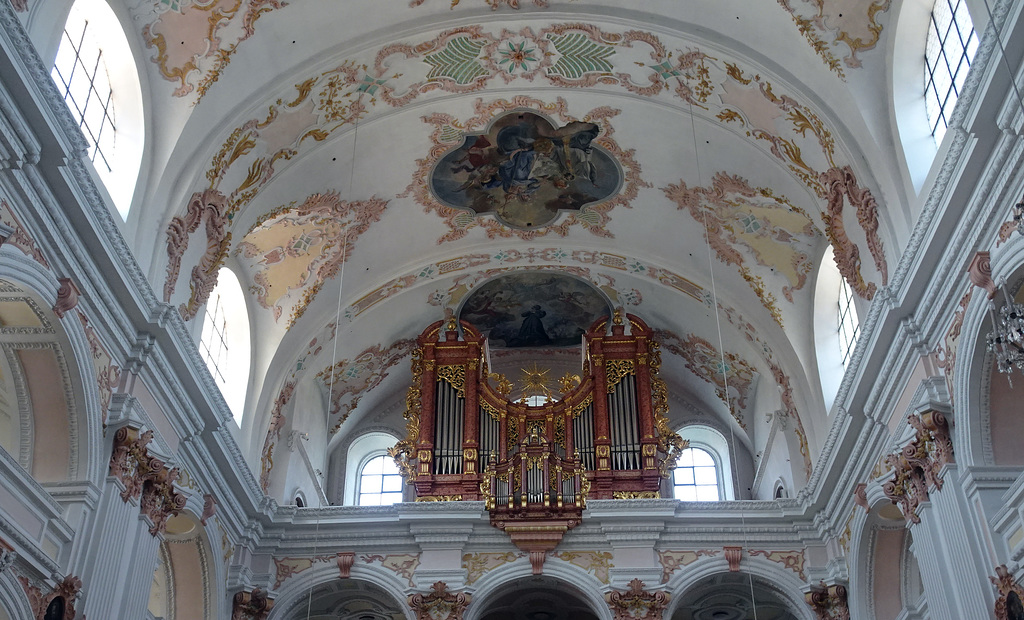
x=1006 y=340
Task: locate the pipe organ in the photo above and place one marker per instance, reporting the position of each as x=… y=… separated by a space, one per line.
x=606 y=436
x=609 y=430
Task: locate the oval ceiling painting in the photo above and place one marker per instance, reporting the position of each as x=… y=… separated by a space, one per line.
x=534 y=309
x=525 y=170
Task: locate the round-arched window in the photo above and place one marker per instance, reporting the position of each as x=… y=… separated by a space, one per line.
x=380 y=483
x=949 y=50
x=95 y=73
x=695 y=478
x=225 y=344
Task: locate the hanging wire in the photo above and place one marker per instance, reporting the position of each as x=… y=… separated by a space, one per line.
x=337 y=325
x=718 y=325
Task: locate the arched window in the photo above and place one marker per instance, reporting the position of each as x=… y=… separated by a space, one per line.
x=225 y=344
x=380 y=483
x=949 y=50
x=836 y=326
x=708 y=453
x=95 y=73
x=696 y=477
x=849 y=325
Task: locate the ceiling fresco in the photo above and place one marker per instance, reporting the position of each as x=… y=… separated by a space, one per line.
x=743 y=101
x=530 y=213
x=526 y=170
x=580 y=263
x=534 y=309
x=293 y=250
x=844 y=27
x=731 y=375
x=194 y=40
x=742 y=221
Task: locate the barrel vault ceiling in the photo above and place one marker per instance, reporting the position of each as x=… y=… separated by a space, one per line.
x=712 y=150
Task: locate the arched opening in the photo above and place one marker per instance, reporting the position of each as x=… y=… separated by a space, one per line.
x=40 y=400
x=380 y=482
x=949 y=49
x=538 y=598
x=346 y=599
x=95 y=73
x=183 y=583
x=225 y=343
x=734 y=596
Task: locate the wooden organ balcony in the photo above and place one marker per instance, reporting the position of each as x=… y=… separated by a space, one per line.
x=605 y=437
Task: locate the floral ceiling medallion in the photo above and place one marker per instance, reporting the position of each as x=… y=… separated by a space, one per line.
x=523 y=169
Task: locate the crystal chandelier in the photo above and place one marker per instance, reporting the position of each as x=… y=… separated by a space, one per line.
x=1006 y=340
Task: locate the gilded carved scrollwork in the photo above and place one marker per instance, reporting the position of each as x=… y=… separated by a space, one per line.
x=455 y=375
x=637 y=603
x=616 y=370
x=669 y=442
x=402 y=452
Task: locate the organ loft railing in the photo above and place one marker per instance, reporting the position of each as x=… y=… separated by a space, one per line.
x=535 y=466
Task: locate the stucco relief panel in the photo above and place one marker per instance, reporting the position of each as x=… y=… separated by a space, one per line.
x=348 y=380
x=839 y=29
x=731 y=375
x=194 y=40
x=295 y=249
x=747 y=225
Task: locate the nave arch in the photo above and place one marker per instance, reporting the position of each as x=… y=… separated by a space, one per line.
x=54 y=405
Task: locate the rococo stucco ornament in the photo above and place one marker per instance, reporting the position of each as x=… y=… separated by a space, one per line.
x=637 y=603
x=251 y=605
x=146 y=477
x=439 y=604
x=916 y=467
x=1010 y=602
x=828 y=602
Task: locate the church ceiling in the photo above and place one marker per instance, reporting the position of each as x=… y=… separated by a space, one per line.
x=367 y=172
